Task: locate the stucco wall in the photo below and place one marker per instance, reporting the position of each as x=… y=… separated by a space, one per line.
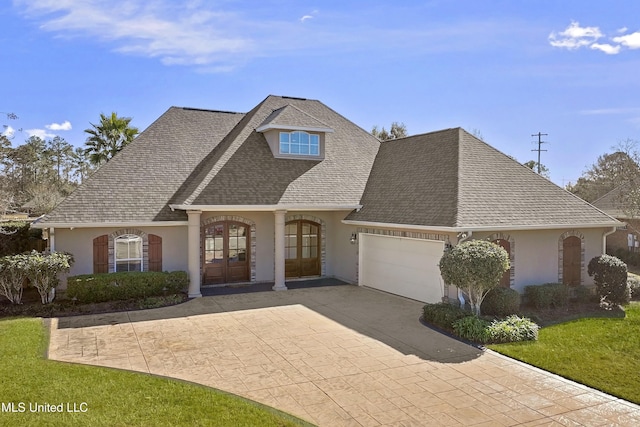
x=537 y=258
x=79 y=242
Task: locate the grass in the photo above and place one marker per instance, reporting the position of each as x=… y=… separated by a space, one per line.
x=603 y=353
x=113 y=397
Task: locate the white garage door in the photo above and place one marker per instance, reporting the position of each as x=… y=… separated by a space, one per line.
x=401 y=266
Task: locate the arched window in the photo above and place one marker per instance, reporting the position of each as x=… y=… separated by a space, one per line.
x=128 y=253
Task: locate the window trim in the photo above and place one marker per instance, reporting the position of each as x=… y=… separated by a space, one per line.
x=290 y=134
x=128 y=236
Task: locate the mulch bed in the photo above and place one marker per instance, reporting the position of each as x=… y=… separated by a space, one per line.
x=61 y=307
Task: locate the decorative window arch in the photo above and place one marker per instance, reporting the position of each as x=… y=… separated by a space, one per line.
x=323 y=233
x=512 y=253
x=252 y=230
x=142 y=248
x=561 y=254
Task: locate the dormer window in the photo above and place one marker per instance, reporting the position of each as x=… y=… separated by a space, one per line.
x=300 y=143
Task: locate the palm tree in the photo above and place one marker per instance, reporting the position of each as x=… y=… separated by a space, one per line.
x=108 y=137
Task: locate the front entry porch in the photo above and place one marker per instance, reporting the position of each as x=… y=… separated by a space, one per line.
x=245 y=288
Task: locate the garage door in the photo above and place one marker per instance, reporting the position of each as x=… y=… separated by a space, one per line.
x=401 y=266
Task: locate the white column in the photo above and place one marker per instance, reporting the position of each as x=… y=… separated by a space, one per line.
x=279 y=252
x=52 y=240
x=193 y=253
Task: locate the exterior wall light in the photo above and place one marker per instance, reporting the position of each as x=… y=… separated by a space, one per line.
x=354 y=238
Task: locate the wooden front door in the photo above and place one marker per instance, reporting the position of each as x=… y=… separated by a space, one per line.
x=571 y=261
x=505 y=281
x=225 y=253
x=302 y=248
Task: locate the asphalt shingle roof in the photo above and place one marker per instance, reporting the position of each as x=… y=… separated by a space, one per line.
x=452 y=179
x=200 y=157
x=138 y=182
x=292 y=116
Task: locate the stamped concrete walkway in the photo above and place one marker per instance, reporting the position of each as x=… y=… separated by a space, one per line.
x=334 y=356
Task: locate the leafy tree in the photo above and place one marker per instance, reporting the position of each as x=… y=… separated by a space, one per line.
x=475 y=267
x=108 y=137
x=609 y=171
x=533 y=165
x=398 y=130
x=42 y=271
x=81 y=165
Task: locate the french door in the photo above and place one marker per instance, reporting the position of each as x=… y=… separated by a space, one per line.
x=225 y=252
x=302 y=249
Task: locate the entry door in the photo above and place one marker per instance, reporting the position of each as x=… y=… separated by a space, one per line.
x=225 y=257
x=505 y=281
x=302 y=248
x=571 y=261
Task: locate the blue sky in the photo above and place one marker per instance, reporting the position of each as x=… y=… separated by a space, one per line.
x=507 y=69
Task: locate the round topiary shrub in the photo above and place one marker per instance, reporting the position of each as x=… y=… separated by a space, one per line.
x=610 y=275
x=501 y=302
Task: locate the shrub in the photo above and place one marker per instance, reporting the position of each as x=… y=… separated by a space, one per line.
x=610 y=276
x=475 y=267
x=42 y=271
x=13 y=274
x=471 y=328
x=634 y=285
x=443 y=315
x=16 y=239
x=501 y=302
x=582 y=294
x=512 y=329
x=93 y=288
x=547 y=295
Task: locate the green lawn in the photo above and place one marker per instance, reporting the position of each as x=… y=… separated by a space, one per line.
x=111 y=397
x=603 y=353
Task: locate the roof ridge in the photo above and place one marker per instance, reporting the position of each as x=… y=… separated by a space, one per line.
x=209 y=110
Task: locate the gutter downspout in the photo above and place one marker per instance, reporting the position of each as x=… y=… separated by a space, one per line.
x=604 y=238
x=467 y=237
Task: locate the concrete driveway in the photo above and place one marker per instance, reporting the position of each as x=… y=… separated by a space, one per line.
x=334 y=356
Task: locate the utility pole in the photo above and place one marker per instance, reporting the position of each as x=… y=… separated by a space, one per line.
x=540 y=142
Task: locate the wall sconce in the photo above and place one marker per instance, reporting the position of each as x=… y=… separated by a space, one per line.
x=354 y=238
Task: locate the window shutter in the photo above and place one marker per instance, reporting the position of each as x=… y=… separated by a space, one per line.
x=101 y=254
x=155 y=253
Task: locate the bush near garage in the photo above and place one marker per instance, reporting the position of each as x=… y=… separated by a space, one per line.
x=443 y=315
x=95 y=288
x=610 y=275
x=512 y=329
x=547 y=295
x=501 y=302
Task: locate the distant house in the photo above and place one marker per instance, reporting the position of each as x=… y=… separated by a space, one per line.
x=614 y=203
x=293 y=189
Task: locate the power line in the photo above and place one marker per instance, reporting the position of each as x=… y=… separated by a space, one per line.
x=540 y=142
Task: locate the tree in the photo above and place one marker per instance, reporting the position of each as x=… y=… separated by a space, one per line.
x=532 y=164
x=59 y=151
x=80 y=164
x=398 y=130
x=609 y=171
x=475 y=267
x=108 y=137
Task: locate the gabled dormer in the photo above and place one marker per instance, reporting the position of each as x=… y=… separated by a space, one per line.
x=295 y=134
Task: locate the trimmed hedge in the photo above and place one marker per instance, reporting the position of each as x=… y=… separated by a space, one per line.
x=93 y=288
x=443 y=315
x=610 y=275
x=547 y=295
x=512 y=329
x=501 y=302
x=472 y=328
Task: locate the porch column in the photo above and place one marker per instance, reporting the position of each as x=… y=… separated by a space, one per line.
x=279 y=252
x=193 y=253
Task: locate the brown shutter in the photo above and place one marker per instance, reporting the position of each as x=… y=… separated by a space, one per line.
x=155 y=253
x=101 y=254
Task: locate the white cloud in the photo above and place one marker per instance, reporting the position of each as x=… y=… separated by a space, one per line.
x=40 y=133
x=159 y=29
x=575 y=36
x=9 y=132
x=622 y=30
x=632 y=41
x=606 y=48
x=306 y=17
x=59 y=126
